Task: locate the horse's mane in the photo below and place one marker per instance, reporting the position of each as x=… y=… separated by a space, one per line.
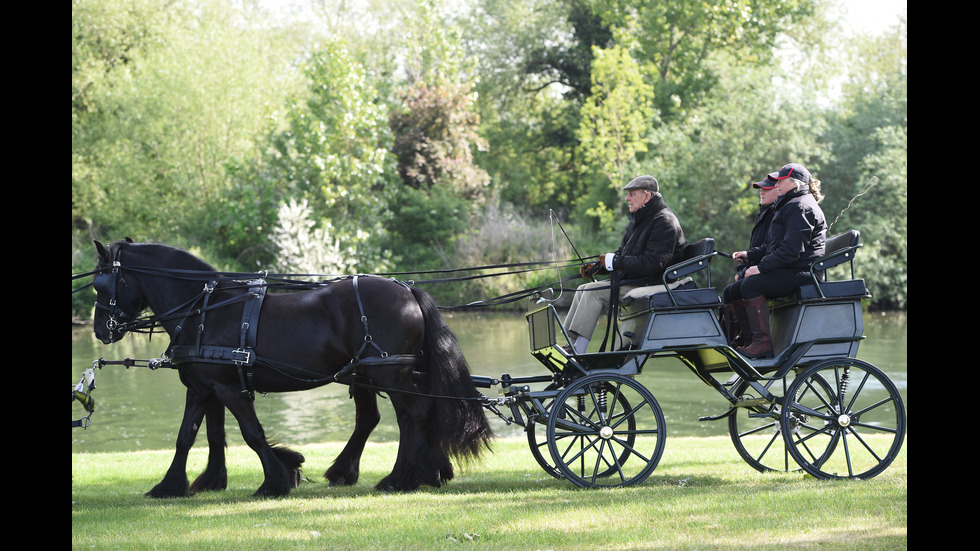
x=163 y=255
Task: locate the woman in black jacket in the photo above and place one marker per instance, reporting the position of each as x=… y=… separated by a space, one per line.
x=795 y=239
x=757 y=242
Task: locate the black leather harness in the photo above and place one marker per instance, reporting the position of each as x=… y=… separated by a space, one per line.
x=243 y=357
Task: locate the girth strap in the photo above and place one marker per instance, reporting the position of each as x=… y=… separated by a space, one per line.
x=211 y=354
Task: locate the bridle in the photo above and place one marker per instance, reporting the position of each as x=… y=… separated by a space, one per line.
x=106 y=282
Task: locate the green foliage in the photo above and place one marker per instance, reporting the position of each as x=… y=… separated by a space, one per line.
x=334 y=153
x=304 y=248
x=163 y=95
x=868 y=136
x=741 y=132
x=676 y=39
x=535 y=66
x=613 y=125
x=568 y=59
x=195 y=123
x=425 y=225
x=435 y=132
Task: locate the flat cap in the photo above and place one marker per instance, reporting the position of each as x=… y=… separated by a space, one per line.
x=648 y=183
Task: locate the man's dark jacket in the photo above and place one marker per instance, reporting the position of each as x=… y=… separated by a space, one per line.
x=653 y=241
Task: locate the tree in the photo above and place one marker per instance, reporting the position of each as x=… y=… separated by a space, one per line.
x=613 y=128
x=535 y=65
x=435 y=132
x=163 y=95
x=868 y=136
x=554 y=43
x=739 y=133
x=675 y=40
x=334 y=154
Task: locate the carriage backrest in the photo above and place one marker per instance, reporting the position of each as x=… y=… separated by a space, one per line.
x=675 y=290
x=824 y=312
x=694 y=257
x=838 y=249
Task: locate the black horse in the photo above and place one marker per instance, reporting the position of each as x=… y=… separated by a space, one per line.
x=375 y=333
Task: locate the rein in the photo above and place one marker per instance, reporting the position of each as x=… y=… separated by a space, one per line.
x=108 y=279
x=243 y=356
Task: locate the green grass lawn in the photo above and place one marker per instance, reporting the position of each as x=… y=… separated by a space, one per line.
x=702 y=496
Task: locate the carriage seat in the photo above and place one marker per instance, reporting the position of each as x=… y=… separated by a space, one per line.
x=649 y=292
x=838 y=249
x=851 y=288
x=678 y=289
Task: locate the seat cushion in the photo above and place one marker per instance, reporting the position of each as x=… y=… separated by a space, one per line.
x=833 y=289
x=686 y=298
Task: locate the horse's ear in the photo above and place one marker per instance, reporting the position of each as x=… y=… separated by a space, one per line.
x=100 y=248
x=129 y=239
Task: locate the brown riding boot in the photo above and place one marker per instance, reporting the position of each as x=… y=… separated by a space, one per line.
x=756 y=311
x=739 y=325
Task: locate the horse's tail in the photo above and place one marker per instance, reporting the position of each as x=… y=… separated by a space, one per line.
x=463 y=427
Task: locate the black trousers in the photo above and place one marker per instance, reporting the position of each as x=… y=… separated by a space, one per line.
x=777 y=283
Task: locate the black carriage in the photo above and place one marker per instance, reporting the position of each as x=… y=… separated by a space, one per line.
x=814 y=406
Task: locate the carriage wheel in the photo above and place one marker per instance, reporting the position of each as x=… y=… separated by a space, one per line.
x=538 y=442
x=843 y=418
x=605 y=431
x=758 y=435
x=537 y=439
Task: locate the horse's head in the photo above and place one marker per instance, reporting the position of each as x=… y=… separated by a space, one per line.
x=118 y=301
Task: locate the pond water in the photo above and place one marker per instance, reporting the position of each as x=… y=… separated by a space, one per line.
x=139 y=409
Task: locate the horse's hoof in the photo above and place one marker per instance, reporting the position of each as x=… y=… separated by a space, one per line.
x=387 y=488
x=341 y=479
x=268 y=492
x=389 y=485
x=163 y=491
x=209 y=481
x=277 y=488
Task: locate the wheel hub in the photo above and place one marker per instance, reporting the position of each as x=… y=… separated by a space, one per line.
x=606 y=432
x=844 y=420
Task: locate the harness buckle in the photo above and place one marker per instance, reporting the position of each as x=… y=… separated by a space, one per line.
x=241 y=356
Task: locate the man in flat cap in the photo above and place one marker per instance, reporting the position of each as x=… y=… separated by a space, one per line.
x=653 y=241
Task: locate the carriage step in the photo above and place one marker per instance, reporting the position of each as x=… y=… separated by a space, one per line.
x=752 y=402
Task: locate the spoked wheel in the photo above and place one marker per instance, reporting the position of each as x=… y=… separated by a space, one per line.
x=606 y=431
x=843 y=418
x=757 y=432
x=537 y=440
